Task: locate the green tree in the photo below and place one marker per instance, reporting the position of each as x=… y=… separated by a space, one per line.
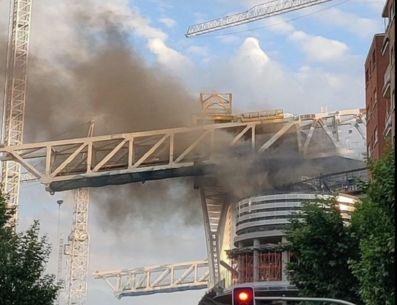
x=353 y=262
x=373 y=226
x=23 y=257
x=322 y=246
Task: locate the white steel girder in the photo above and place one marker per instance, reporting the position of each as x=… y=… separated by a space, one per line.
x=68 y=162
x=214 y=204
x=78 y=250
x=15 y=96
x=157 y=279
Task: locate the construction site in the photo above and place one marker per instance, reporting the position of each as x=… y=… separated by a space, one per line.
x=245 y=172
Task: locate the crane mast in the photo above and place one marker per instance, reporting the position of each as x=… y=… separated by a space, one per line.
x=79 y=245
x=15 y=96
x=78 y=250
x=261 y=11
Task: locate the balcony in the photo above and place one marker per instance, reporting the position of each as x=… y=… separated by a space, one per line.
x=386 y=82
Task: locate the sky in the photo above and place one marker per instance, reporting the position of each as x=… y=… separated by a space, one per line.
x=298 y=62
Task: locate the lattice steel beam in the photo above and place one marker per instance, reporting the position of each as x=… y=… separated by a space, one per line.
x=78 y=250
x=159 y=154
x=15 y=96
x=157 y=279
x=261 y=11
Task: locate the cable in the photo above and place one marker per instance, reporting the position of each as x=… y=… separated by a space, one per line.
x=70 y=130
x=277 y=23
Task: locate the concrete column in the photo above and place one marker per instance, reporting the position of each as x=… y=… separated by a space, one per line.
x=284 y=262
x=256 y=261
x=239 y=262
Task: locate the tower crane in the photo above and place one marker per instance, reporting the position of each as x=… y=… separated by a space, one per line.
x=79 y=244
x=261 y=11
x=15 y=96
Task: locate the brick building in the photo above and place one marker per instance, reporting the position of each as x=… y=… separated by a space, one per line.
x=379 y=88
x=388 y=49
x=375 y=68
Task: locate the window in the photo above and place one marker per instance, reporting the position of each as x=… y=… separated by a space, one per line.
x=375 y=136
x=375 y=101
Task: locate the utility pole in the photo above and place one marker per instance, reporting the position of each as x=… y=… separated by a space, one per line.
x=15 y=97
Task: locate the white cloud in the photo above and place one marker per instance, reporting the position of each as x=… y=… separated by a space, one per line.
x=198 y=50
x=376 y=5
x=168 y=57
x=252 y=76
x=250 y=52
x=316 y=48
x=228 y=39
x=319 y=48
x=360 y=26
x=168 y=22
x=279 y=24
x=259 y=82
x=66 y=40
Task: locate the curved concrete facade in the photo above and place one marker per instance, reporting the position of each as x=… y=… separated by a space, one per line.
x=266 y=217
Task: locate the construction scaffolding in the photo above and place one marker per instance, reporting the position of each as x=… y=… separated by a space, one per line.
x=267 y=268
x=270 y=266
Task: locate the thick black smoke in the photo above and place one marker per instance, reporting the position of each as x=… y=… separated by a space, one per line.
x=115 y=87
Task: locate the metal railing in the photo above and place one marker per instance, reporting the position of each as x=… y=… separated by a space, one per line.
x=299 y=299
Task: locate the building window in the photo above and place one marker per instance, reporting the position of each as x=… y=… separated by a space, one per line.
x=375 y=136
x=366 y=76
x=375 y=99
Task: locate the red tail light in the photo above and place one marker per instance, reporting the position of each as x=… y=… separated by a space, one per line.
x=243 y=296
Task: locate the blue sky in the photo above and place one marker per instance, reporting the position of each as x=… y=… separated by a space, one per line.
x=319 y=47
x=299 y=62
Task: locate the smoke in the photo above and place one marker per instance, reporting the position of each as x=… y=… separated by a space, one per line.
x=88 y=70
x=153 y=203
x=243 y=174
x=107 y=81
x=114 y=87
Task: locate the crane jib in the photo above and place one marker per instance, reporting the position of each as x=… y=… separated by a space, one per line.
x=255 y=13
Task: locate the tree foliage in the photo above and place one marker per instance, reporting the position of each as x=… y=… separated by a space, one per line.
x=353 y=262
x=373 y=225
x=321 y=245
x=23 y=258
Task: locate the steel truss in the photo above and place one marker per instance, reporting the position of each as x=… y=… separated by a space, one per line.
x=15 y=96
x=157 y=279
x=159 y=154
x=78 y=250
x=261 y=11
x=214 y=203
